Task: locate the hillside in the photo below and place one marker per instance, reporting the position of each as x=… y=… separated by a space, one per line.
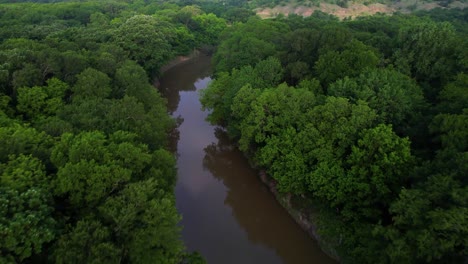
x=346 y=9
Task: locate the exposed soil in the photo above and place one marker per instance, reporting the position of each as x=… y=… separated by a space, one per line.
x=354 y=9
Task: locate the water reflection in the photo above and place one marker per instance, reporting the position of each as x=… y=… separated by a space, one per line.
x=172 y=83
x=228 y=214
x=179 y=79
x=254 y=207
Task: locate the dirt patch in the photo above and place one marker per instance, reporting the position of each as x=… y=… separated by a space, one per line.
x=354 y=9
x=458 y=4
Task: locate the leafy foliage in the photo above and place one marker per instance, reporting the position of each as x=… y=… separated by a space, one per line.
x=26 y=223
x=369 y=126
x=85 y=176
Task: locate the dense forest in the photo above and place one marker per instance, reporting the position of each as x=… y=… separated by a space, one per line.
x=364 y=122
x=85 y=174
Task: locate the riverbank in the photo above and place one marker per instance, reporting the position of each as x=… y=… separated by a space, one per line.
x=228 y=215
x=303 y=219
x=179 y=60
x=234 y=178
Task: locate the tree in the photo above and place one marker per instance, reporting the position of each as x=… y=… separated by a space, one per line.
x=87 y=242
x=356 y=57
x=334 y=37
x=238 y=14
x=428 y=51
x=28 y=76
x=151 y=126
x=88 y=182
x=91 y=83
x=147 y=41
x=23 y=172
x=450 y=131
x=220 y=94
x=301 y=45
x=268 y=122
x=19 y=139
x=429 y=219
x=210 y=27
x=105 y=62
x=39 y=102
x=87 y=114
x=186 y=15
x=397 y=99
x=268 y=73
x=246 y=44
x=429 y=222
x=326 y=140
x=145 y=223
x=378 y=166
x=131 y=80
x=26 y=223
x=82 y=126
x=454 y=96
x=31 y=101
x=72 y=64
x=90 y=168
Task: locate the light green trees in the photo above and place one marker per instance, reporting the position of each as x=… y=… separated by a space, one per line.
x=219 y=97
x=91 y=83
x=397 y=99
x=209 y=28
x=40 y=102
x=90 y=168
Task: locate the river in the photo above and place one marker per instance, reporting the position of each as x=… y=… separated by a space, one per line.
x=229 y=216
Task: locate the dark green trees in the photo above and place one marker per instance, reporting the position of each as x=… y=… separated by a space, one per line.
x=85 y=176
x=246 y=44
x=26 y=222
x=334 y=65
x=365 y=120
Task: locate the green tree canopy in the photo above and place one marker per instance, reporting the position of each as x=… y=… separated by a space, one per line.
x=26 y=223
x=145 y=221
x=147 y=41
x=334 y=65
x=397 y=99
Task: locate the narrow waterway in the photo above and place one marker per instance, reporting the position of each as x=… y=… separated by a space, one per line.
x=229 y=216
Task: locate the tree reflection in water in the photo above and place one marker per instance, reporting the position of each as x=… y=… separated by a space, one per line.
x=264 y=220
x=182 y=78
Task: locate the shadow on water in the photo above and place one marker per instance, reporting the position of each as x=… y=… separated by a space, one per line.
x=255 y=208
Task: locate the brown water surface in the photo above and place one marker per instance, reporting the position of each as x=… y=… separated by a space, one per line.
x=229 y=216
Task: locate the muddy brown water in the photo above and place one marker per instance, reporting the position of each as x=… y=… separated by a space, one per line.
x=229 y=216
